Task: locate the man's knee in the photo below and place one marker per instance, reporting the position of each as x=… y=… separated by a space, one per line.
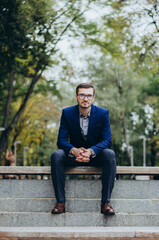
x=108 y=155
x=57 y=156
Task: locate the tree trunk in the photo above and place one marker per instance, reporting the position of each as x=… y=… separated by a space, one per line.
x=125 y=134
x=153 y=153
x=153 y=147
x=6 y=133
x=9 y=100
x=4 y=136
x=118 y=82
x=3 y=142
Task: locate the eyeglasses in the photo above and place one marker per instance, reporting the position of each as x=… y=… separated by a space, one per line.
x=82 y=96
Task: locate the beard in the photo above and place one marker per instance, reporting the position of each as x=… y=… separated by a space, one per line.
x=86 y=105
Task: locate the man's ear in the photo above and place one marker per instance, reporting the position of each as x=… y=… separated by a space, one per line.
x=76 y=96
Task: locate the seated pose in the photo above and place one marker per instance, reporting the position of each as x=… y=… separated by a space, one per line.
x=84 y=139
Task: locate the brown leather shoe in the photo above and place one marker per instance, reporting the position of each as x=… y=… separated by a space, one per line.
x=59 y=208
x=106 y=209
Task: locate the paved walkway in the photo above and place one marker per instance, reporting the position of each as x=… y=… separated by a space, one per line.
x=123 y=233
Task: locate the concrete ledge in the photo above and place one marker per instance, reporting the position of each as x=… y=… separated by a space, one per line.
x=100 y=233
x=78 y=170
x=75 y=205
x=127 y=189
x=30 y=219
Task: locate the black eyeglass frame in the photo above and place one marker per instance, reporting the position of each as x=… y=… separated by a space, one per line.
x=83 y=96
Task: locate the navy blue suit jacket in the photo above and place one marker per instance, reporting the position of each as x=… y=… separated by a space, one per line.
x=99 y=134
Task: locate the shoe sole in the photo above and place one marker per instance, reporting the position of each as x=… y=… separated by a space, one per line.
x=58 y=212
x=108 y=214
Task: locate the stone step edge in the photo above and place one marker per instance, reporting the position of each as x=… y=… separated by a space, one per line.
x=79 y=232
x=76 y=198
x=80 y=213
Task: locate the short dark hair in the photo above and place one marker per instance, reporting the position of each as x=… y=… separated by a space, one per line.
x=85 y=85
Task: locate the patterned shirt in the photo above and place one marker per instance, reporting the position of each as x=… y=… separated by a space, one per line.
x=84 y=124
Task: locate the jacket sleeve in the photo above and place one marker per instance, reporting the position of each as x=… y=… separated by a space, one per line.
x=105 y=141
x=63 y=135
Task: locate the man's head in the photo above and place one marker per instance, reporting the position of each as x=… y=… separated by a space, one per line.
x=85 y=85
x=85 y=93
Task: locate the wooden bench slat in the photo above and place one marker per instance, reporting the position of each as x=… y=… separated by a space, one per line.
x=77 y=170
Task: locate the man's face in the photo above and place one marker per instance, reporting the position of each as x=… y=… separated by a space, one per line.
x=85 y=97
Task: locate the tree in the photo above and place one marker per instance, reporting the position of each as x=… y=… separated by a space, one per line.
x=36 y=128
x=129 y=35
x=29 y=34
x=118 y=89
x=153 y=101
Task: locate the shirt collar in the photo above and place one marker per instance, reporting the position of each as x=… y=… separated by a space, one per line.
x=81 y=115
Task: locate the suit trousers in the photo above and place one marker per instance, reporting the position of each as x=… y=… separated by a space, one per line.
x=105 y=159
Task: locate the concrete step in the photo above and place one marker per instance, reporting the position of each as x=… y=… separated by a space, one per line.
x=34 y=219
x=130 y=189
x=78 y=233
x=78 y=205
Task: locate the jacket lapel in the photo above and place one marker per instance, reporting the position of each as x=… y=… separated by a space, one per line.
x=92 y=119
x=77 y=121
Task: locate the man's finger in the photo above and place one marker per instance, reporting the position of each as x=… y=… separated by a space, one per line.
x=85 y=155
x=85 y=159
x=82 y=159
x=79 y=159
x=83 y=149
x=80 y=151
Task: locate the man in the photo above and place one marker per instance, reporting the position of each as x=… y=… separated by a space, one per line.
x=84 y=139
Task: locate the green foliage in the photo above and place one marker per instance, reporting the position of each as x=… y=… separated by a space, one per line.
x=37 y=129
x=29 y=34
x=153 y=88
x=126 y=76
x=118 y=89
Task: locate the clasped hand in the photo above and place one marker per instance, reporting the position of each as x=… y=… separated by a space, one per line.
x=82 y=154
